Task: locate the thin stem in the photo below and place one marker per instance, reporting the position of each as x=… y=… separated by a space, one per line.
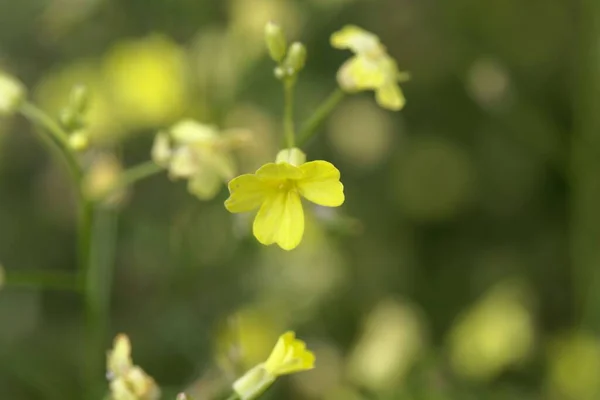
x=134 y=174
x=319 y=116
x=51 y=280
x=234 y=396
x=98 y=283
x=288 y=116
x=58 y=135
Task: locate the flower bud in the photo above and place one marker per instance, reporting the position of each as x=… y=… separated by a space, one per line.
x=12 y=94
x=293 y=156
x=296 y=57
x=161 y=150
x=275 y=40
x=79 y=99
x=79 y=140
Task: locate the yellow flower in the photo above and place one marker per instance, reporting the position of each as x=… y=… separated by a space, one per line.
x=371 y=68
x=128 y=381
x=288 y=356
x=276 y=189
x=199 y=153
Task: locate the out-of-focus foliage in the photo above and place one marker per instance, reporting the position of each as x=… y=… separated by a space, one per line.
x=445 y=275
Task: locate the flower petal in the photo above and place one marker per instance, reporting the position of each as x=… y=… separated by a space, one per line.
x=280 y=220
x=205 y=184
x=321 y=184
x=360 y=73
x=278 y=172
x=356 y=39
x=390 y=96
x=247 y=193
x=184 y=163
x=189 y=131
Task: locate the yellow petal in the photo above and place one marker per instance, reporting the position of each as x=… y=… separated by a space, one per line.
x=247 y=193
x=277 y=355
x=289 y=355
x=321 y=184
x=280 y=220
x=184 y=163
x=390 y=96
x=205 y=184
x=189 y=131
x=356 y=39
x=360 y=73
x=278 y=172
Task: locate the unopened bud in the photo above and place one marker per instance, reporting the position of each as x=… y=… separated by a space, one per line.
x=79 y=140
x=296 y=57
x=275 y=40
x=161 y=149
x=79 y=99
x=12 y=94
x=293 y=156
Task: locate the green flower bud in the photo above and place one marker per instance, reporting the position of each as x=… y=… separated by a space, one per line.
x=276 y=42
x=293 y=156
x=296 y=57
x=79 y=140
x=79 y=99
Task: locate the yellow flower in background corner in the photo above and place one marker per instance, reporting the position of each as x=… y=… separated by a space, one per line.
x=128 y=381
x=276 y=188
x=371 y=68
x=199 y=153
x=288 y=356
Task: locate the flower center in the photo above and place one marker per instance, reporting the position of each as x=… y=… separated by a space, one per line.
x=287 y=185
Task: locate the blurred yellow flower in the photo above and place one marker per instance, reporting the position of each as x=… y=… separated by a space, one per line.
x=495 y=334
x=199 y=153
x=128 y=381
x=276 y=189
x=288 y=356
x=12 y=93
x=147 y=79
x=371 y=68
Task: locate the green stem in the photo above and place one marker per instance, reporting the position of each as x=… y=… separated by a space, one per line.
x=319 y=116
x=131 y=176
x=288 y=116
x=233 y=396
x=98 y=283
x=51 y=280
x=58 y=135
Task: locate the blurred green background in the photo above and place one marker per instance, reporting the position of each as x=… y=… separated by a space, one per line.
x=462 y=265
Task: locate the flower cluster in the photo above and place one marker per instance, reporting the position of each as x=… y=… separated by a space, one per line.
x=128 y=381
x=288 y=356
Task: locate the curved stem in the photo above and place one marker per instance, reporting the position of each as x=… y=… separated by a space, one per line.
x=288 y=116
x=319 y=116
x=57 y=134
